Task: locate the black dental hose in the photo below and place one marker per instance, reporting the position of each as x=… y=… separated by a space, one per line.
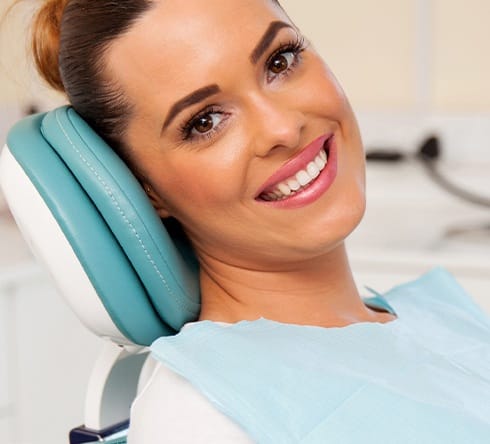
x=428 y=154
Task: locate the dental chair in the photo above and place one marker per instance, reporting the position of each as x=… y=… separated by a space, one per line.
x=128 y=277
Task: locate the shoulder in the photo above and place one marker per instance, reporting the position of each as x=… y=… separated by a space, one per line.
x=170 y=409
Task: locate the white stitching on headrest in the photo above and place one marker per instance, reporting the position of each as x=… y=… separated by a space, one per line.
x=128 y=222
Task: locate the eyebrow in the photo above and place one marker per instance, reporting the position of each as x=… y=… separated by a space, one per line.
x=267 y=39
x=189 y=100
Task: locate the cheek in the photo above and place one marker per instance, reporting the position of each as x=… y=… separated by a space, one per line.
x=324 y=91
x=204 y=180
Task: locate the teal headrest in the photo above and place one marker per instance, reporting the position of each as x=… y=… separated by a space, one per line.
x=148 y=286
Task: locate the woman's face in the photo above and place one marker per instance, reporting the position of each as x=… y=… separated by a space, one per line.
x=231 y=105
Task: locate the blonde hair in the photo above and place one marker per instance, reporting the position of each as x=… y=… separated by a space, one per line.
x=45 y=41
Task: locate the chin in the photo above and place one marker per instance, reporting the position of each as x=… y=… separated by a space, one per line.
x=343 y=219
x=352 y=219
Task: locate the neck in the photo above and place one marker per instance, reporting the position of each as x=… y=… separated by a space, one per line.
x=321 y=292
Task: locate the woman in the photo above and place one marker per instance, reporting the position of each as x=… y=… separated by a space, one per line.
x=235 y=127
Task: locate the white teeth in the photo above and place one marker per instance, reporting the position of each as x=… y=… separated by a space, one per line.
x=313 y=170
x=284 y=189
x=294 y=184
x=320 y=163
x=301 y=179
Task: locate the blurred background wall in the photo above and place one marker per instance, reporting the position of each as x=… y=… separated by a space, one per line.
x=427 y=55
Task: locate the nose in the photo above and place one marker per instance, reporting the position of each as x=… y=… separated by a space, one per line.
x=278 y=122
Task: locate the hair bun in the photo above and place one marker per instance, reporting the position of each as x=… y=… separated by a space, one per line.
x=46 y=41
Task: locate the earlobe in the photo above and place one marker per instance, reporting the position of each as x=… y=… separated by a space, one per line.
x=156 y=201
x=163 y=212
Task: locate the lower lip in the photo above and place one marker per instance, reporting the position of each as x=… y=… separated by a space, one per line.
x=316 y=189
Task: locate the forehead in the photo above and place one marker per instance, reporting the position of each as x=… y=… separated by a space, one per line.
x=178 y=46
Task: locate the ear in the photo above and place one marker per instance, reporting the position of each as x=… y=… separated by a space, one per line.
x=156 y=201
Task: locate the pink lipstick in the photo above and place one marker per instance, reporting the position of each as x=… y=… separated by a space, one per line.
x=304 y=178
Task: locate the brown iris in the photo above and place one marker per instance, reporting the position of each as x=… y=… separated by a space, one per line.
x=204 y=124
x=279 y=64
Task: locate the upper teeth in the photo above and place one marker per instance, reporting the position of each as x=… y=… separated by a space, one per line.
x=299 y=181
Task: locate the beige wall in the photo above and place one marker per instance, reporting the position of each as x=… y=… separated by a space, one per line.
x=388 y=54
x=461 y=54
x=19 y=82
x=370 y=52
x=404 y=54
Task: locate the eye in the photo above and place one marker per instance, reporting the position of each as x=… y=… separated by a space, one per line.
x=282 y=62
x=204 y=124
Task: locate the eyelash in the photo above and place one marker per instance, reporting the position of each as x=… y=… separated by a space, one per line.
x=296 y=47
x=187 y=127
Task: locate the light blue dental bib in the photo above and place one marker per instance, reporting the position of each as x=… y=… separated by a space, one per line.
x=423 y=378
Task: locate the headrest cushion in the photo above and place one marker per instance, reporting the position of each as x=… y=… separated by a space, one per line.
x=168 y=277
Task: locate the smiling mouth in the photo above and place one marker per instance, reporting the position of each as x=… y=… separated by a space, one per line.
x=300 y=181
